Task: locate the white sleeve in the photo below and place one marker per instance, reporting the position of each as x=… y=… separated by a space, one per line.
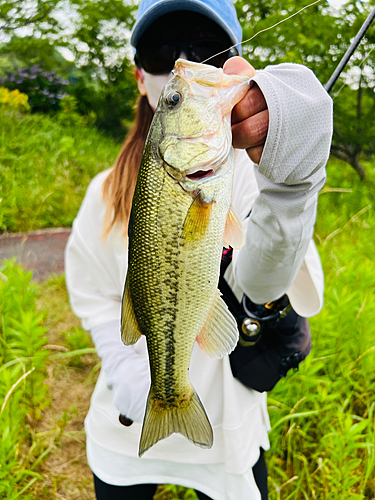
x=128 y=373
x=289 y=176
x=94 y=268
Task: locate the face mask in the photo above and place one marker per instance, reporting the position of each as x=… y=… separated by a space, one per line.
x=154 y=85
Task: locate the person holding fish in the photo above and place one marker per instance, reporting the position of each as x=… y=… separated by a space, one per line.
x=179 y=399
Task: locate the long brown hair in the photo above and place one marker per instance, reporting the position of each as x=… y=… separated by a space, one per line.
x=118 y=187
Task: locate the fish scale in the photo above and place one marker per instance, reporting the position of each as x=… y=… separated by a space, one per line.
x=176 y=233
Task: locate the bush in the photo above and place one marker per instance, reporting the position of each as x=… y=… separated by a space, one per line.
x=44 y=88
x=112 y=101
x=69 y=116
x=14 y=100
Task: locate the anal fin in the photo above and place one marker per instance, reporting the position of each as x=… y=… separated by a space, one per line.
x=219 y=334
x=130 y=332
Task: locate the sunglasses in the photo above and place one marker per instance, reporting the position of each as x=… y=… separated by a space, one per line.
x=160 y=60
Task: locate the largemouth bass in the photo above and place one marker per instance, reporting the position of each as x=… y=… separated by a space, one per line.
x=180 y=220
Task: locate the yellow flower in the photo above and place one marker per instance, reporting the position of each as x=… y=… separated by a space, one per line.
x=14 y=100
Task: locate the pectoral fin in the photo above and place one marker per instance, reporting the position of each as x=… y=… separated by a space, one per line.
x=198 y=217
x=233 y=232
x=130 y=332
x=219 y=334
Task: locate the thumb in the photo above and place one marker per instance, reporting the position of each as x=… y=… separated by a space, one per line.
x=238 y=66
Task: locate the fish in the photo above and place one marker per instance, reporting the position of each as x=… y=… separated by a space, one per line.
x=181 y=217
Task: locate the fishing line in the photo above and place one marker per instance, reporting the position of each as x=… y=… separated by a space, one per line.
x=262 y=31
x=344 y=84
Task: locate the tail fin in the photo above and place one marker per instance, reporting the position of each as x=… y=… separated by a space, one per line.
x=162 y=420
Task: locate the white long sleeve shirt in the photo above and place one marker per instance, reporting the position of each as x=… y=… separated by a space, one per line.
x=278 y=257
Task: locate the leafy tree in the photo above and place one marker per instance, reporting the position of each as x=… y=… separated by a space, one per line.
x=354 y=127
x=29 y=51
x=100 y=78
x=354 y=100
x=112 y=100
x=102 y=29
x=318 y=37
x=304 y=39
x=37 y=14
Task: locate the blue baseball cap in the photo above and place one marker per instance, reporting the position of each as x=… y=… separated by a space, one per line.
x=222 y=12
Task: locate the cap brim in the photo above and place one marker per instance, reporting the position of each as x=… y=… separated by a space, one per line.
x=165 y=6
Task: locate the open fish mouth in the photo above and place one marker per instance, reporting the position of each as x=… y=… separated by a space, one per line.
x=200 y=175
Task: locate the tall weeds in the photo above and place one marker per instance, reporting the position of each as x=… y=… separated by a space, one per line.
x=323 y=437
x=22 y=372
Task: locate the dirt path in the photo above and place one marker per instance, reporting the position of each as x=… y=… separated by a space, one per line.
x=42 y=251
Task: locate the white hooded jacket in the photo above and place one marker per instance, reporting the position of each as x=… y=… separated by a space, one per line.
x=278 y=257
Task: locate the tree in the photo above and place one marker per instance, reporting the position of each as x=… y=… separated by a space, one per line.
x=354 y=127
x=304 y=39
x=97 y=38
x=318 y=37
x=354 y=100
x=15 y=14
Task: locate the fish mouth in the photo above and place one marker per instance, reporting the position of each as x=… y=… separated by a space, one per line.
x=200 y=175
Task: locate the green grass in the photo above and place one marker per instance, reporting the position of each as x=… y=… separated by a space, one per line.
x=323 y=416
x=23 y=394
x=48 y=369
x=45 y=167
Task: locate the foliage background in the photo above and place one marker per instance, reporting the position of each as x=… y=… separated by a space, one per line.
x=94 y=36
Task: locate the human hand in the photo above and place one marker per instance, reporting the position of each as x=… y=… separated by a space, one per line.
x=250 y=118
x=130 y=383
x=128 y=373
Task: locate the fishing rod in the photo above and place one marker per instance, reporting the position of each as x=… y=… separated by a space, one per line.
x=350 y=51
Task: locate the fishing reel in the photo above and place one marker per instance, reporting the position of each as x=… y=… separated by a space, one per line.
x=259 y=316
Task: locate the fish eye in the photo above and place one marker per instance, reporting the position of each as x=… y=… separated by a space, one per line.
x=174 y=98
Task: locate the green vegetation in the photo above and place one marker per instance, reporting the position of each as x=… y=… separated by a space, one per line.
x=14 y=99
x=318 y=38
x=98 y=71
x=45 y=167
x=39 y=339
x=99 y=60
x=323 y=416
x=22 y=389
